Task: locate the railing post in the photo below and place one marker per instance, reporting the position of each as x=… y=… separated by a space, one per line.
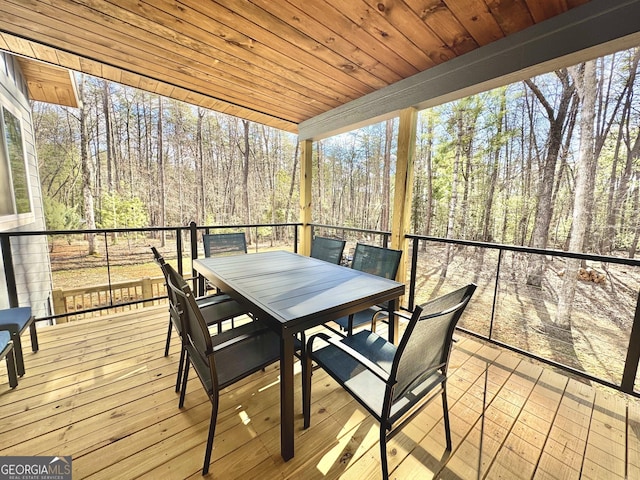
x=179 y=249
x=147 y=290
x=59 y=304
x=414 y=268
x=197 y=286
x=9 y=271
x=495 y=294
x=633 y=353
x=106 y=250
x=256 y=239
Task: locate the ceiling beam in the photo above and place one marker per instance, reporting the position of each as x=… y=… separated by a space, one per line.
x=597 y=28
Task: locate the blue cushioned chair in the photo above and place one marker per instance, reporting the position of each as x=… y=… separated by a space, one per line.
x=16 y=321
x=7 y=352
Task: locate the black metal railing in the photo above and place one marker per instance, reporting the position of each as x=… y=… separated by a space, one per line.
x=525 y=317
x=183 y=244
x=507 y=310
x=196 y=232
x=492 y=318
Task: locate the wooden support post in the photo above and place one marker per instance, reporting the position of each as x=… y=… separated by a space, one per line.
x=306 y=155
x=147 y=290
x=403 y=195
x=59 y=304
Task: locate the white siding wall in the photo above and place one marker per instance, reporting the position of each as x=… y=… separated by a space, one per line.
x=30 y=253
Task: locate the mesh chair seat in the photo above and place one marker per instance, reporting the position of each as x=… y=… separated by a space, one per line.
x=216 y=307
x=392 y=383
x=351 y=373
x=217 y=310
x=359 y=318
x=239 y=352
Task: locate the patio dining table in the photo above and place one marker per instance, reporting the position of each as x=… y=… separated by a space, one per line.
x=293 y=293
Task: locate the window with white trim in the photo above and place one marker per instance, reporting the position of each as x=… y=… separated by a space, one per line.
x=14 y=179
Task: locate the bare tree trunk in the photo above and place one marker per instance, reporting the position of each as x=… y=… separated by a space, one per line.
x=319 y=179
x=200 y=196
x=453 y=202
x=636 y=230
x=161 y=174
x=583 y=201
x=386 y=176
x=429 y=166
x=87 y=171
x=544 y=209
x=493 y=177
x=107 y=133
x=607 y=113
x=245 y=172
x=618 y=190
x=293 y=184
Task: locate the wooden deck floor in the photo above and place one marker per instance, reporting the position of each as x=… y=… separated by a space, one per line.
x=102 y=392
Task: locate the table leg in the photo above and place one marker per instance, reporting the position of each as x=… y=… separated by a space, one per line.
x=394 y=324
x=286 y=395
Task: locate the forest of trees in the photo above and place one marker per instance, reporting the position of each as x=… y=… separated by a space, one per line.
x=551 y=162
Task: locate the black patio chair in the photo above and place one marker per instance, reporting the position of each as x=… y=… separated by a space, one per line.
x=216 y=309
x=16 y=320
x=393 y=383
x=222 y=244
x=380 y=261
x=223 y=359
x=327 y=249
x=7 y=352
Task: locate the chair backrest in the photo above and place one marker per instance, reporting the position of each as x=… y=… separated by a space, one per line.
x=380 y=261
x=156 y=255
x=327 y=249
x=221 y=244
x=176 y=308
x=195 y=329
x=159 y=259
x=426 y=343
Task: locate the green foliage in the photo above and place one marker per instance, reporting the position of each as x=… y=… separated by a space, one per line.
x=500 y=139
x=60 y=217
x=122 y=212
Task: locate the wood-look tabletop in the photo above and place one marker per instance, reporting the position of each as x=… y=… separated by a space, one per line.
x=295 y=290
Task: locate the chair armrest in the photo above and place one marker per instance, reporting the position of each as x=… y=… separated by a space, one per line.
x=384 y=313
x=374 y=368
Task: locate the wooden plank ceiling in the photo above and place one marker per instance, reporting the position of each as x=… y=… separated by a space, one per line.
x=49 y=83
x=274 y=62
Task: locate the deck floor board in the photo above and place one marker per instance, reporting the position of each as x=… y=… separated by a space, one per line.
x=101 y=391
